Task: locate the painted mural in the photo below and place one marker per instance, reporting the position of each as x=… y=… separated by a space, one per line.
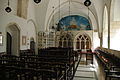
x=74 y=22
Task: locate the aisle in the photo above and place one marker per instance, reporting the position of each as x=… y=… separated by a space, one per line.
x=84 y=72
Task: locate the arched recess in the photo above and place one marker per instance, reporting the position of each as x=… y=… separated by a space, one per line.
x=32 y=44
x=105 y=28
x=12 y=39
x=32 y=31
x=82 y=42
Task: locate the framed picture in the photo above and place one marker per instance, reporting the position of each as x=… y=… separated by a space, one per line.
x=23 y=40
x=1 y=40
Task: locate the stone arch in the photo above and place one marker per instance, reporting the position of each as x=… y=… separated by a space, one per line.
x=13 y=30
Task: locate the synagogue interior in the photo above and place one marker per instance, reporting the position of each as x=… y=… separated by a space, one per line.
x=59 y=40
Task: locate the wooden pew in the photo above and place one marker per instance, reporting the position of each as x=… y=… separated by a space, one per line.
x=110 y=62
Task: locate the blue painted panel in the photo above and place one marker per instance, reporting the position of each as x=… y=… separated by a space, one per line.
x=74 y=22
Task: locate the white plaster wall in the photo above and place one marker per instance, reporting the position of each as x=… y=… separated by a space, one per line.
x=116 y=11
x=96 y=40
x=26 y=28
x=40 y=12
x=115 y=35
x=99 y=6
x=31 y=10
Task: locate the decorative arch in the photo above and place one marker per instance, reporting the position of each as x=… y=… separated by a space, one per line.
x=82 y=42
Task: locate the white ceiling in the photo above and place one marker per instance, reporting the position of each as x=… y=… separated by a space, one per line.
x=45 y=8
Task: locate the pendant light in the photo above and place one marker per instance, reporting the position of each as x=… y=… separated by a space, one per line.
x=8 y=9
x=87 y=3
x=53 y=27
x=37 y=1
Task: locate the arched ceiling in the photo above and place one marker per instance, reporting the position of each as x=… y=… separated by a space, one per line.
x=76 y=8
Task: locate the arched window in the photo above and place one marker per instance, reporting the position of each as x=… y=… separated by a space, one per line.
x=65 y=41
x=105 y=28
x=83 y=42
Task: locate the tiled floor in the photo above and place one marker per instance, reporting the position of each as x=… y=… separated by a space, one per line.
x=85 y=72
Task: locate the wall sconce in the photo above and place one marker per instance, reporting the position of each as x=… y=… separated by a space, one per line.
x=1 y=39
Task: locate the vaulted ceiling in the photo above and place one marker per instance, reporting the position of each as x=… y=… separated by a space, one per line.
x=74 y=7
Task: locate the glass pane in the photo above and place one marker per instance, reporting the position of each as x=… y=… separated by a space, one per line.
x=60 y=44
x=87 y=45
x=82 y=45
x=77 y=45
x=64 y=44
x=80 y=36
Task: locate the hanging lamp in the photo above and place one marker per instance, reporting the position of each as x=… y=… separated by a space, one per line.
x=87 y=3
x=53 y=27
x=8 y=9
x=37 y=1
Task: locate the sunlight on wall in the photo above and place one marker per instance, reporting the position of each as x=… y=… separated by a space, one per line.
x=115 y=26
x=115 y=40
x=96 y=40
x=116 y=11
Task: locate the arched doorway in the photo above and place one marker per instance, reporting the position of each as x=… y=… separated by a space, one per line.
x=9 y=43
x=32 y=44
x=83 y=42
x=13 y=40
